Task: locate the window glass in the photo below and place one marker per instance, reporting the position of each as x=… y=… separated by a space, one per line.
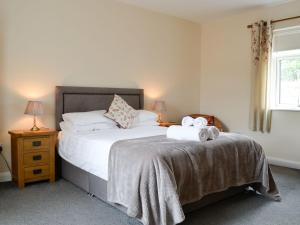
x=289 y=81
x=284 y=79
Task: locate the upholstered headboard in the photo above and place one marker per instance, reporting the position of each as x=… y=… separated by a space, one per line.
x=82 y=99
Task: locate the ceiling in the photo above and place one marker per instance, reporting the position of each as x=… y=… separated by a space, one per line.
x=199 y=10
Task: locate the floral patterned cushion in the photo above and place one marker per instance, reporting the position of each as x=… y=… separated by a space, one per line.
x=121 y=112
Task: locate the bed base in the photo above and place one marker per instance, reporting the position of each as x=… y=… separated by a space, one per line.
x=98 y=187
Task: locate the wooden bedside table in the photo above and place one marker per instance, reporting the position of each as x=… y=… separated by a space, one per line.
x=167 y=124
x=33 y=155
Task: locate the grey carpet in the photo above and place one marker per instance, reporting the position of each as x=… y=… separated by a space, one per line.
x=63 y=203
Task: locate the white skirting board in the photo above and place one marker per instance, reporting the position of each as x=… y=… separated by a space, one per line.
x=5 y=176
x=284 y=163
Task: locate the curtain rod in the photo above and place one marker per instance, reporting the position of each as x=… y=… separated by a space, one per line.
x=280 y=20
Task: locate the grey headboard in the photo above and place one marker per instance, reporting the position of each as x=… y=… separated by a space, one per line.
x=82 y=99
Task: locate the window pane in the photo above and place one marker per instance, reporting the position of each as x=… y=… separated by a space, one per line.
x=289 y=81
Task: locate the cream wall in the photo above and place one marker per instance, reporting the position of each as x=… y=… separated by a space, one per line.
x=225 y=80
x=93 y=43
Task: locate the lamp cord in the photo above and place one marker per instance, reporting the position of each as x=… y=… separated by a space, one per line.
x=6 y=163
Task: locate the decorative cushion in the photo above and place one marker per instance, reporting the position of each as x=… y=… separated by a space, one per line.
x=121 y=112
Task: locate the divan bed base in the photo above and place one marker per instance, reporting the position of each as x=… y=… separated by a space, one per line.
x=98 y=187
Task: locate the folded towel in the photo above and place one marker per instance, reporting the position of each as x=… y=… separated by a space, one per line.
x=203 y=134
x=187 y=121
x=213 y=132
x=188 y=133
x=200 y=122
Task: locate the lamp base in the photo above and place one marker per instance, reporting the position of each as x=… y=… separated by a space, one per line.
x=159 y=120
x=35 y=128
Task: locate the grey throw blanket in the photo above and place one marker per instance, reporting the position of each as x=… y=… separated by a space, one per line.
x=154 y=176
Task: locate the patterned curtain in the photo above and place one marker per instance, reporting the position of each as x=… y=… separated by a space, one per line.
x=261 y=42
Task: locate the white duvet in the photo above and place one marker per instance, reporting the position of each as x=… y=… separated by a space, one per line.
x=90 y=150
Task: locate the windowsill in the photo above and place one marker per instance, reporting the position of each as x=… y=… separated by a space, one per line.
x=286 y=109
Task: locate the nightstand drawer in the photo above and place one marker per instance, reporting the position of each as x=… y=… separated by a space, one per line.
x=35 y=158
x=35 y=173
x=30 y=144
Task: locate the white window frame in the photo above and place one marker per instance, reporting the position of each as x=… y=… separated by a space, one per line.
x=275 y=80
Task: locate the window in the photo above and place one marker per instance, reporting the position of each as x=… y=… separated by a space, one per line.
x=285 y=70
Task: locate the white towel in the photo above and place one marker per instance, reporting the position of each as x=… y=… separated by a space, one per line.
x=187 y=121
x=188 y=133
x=213 y=132
x=200 y=122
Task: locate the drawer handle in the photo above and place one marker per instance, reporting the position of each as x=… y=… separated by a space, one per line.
x=36 y=143
x=37 y=171
x=36 y=157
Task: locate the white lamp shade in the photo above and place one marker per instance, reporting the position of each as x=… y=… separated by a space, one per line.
x=159 y=106
x=34 y=108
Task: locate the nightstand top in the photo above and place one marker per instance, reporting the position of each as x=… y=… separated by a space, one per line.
x=29 y=133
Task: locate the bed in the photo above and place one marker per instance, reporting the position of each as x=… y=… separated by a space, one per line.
x=80 y=151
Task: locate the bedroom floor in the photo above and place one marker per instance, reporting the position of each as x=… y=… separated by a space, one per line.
x=63 y=203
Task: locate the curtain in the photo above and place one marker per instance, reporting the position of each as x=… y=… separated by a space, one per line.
x=261 y=41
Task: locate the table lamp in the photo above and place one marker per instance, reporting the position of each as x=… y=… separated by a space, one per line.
x=160 y=108
x=34 y=108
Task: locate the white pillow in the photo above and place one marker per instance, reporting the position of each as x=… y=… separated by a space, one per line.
x=68 y=126
x=144 y=116
x=146 y=124
x=85 y=118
